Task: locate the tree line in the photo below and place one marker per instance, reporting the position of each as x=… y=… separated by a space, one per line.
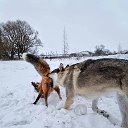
x=17 y=37
x=100 y=50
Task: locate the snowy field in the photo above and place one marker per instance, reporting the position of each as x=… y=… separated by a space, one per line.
x=17 y=96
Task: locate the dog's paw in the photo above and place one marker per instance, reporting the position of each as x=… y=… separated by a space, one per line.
x=34 y=103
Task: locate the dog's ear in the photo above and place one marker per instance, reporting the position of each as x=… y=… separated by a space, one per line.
x=61 y=67
x=33 y=83
x=67 y=66
x=56 y=71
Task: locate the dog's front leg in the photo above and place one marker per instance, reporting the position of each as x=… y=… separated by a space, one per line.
x=68 y=103
x=70 y=98
x=46 y=98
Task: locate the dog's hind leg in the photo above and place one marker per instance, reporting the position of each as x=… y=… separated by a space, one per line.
x=46 y=98
x=96 y=109
x=123 y=106
x=38 y=97
x=46 y=90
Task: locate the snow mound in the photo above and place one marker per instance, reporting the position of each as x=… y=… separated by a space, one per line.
x=80 y=109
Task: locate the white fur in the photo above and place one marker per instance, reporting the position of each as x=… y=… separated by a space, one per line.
x=54 y=77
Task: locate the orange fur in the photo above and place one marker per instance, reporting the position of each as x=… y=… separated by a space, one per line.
x=42 y=67
x=45 y=88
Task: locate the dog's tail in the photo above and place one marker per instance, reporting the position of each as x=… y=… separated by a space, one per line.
x=30 y=58
x=40 y=65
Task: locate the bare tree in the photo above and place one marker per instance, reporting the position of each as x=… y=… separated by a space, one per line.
x=100 y=51
x=0 y=45
x=19 y=37
x=3 y=48
x=65 y=44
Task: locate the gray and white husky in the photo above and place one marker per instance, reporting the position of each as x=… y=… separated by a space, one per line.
x=94 y=78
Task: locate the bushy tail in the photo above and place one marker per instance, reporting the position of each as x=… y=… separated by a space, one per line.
x=40 y=65
x=30 y=58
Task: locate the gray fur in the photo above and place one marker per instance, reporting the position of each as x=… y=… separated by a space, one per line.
x=94 y=78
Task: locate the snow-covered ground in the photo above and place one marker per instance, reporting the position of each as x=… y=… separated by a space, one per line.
x=17 y=96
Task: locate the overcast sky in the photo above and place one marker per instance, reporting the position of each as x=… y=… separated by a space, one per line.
x=88 y=22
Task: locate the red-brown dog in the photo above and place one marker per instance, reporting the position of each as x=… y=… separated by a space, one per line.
x=46 y=86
